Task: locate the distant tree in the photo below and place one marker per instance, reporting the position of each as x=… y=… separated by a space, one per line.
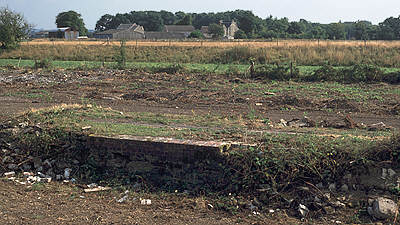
x=179 y=15
x=318 y=32
x=104 y=23
x=13 y=28
x=118 y=20
x=336 y=31
x=150 y=20
x=187 y=20
x=240 y=35
x=216 y=30
x=71 y=19
x=247 y=21
x=389 y=29
x=196 y=34
x=294 y=28
x=167 y=17
x=361 y=30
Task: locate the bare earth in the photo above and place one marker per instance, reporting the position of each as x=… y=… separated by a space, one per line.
x=58 y=203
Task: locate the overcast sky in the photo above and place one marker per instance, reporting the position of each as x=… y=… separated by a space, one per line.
x=42 y=13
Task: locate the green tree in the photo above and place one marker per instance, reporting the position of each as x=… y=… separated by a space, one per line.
x=13 y=28
x=336 y=31
x=104 y=23
x=240 y=35
x=187 y=20
x=389 y=29
x=216 y=30
x=361 y=30
x=167 y=17
x=295 y=28
x=71 y=19
x=196 y=34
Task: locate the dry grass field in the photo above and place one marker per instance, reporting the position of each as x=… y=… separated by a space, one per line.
x=301 y=52
x=227 y=44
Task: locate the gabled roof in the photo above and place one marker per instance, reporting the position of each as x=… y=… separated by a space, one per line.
x=227 y=23
x=178 y=28
x=127 y=26
x=121 y=27
x=62 y=29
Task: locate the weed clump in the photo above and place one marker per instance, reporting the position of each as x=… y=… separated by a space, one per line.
x=121 y=57
x=280 y=72
x=362 y=73
x=326 y=73
x=45 y=63
x=171 y=69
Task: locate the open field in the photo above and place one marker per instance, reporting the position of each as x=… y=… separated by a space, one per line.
x=303 y=133
x=222 y=44
x=341 y=129
x=385 y=54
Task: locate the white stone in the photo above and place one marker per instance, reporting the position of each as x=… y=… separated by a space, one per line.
x=9 y=174
x=67 y=173
x=383 y=208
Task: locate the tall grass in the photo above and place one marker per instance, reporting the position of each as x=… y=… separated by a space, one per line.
x=384 y=55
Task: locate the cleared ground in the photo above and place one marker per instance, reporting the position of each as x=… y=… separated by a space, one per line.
x=195 y=106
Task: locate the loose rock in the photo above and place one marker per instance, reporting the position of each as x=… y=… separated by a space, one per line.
x=383 y=208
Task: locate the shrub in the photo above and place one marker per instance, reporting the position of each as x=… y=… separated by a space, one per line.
x=45 y=63
x=276 y=72
x=392 y=78
x=326 y=73
x=171 y=69
x=362 y=73
x=196 y=34
x=240 y=34
x=121 y=56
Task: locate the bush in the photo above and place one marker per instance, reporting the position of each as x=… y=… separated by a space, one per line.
x=172 y=69
x=196 y=34
x=392 y=78
x=13 y=28
x=362 y=73
x=120 y=58
x=276 y=72
x=45 y=63
x=326 y=73
x=240 y=35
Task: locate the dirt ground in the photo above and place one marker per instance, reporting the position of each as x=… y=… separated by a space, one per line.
x=59 y=203
x=128 y=91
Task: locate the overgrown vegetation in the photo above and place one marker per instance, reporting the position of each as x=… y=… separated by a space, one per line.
x=279 y=164
x=13 y=28
x=306 y=54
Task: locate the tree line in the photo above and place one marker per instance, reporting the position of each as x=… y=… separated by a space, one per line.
x=252 y=26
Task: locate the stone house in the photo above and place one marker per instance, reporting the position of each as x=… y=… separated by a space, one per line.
x=230 y=28
x=123 y=32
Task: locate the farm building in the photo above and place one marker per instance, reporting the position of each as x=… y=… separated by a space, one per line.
x=65 y=33
x=123 y=32
x=171 y=32
x=40 y=34
x=179 y=29
x=164 y=35
x=230 y=28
